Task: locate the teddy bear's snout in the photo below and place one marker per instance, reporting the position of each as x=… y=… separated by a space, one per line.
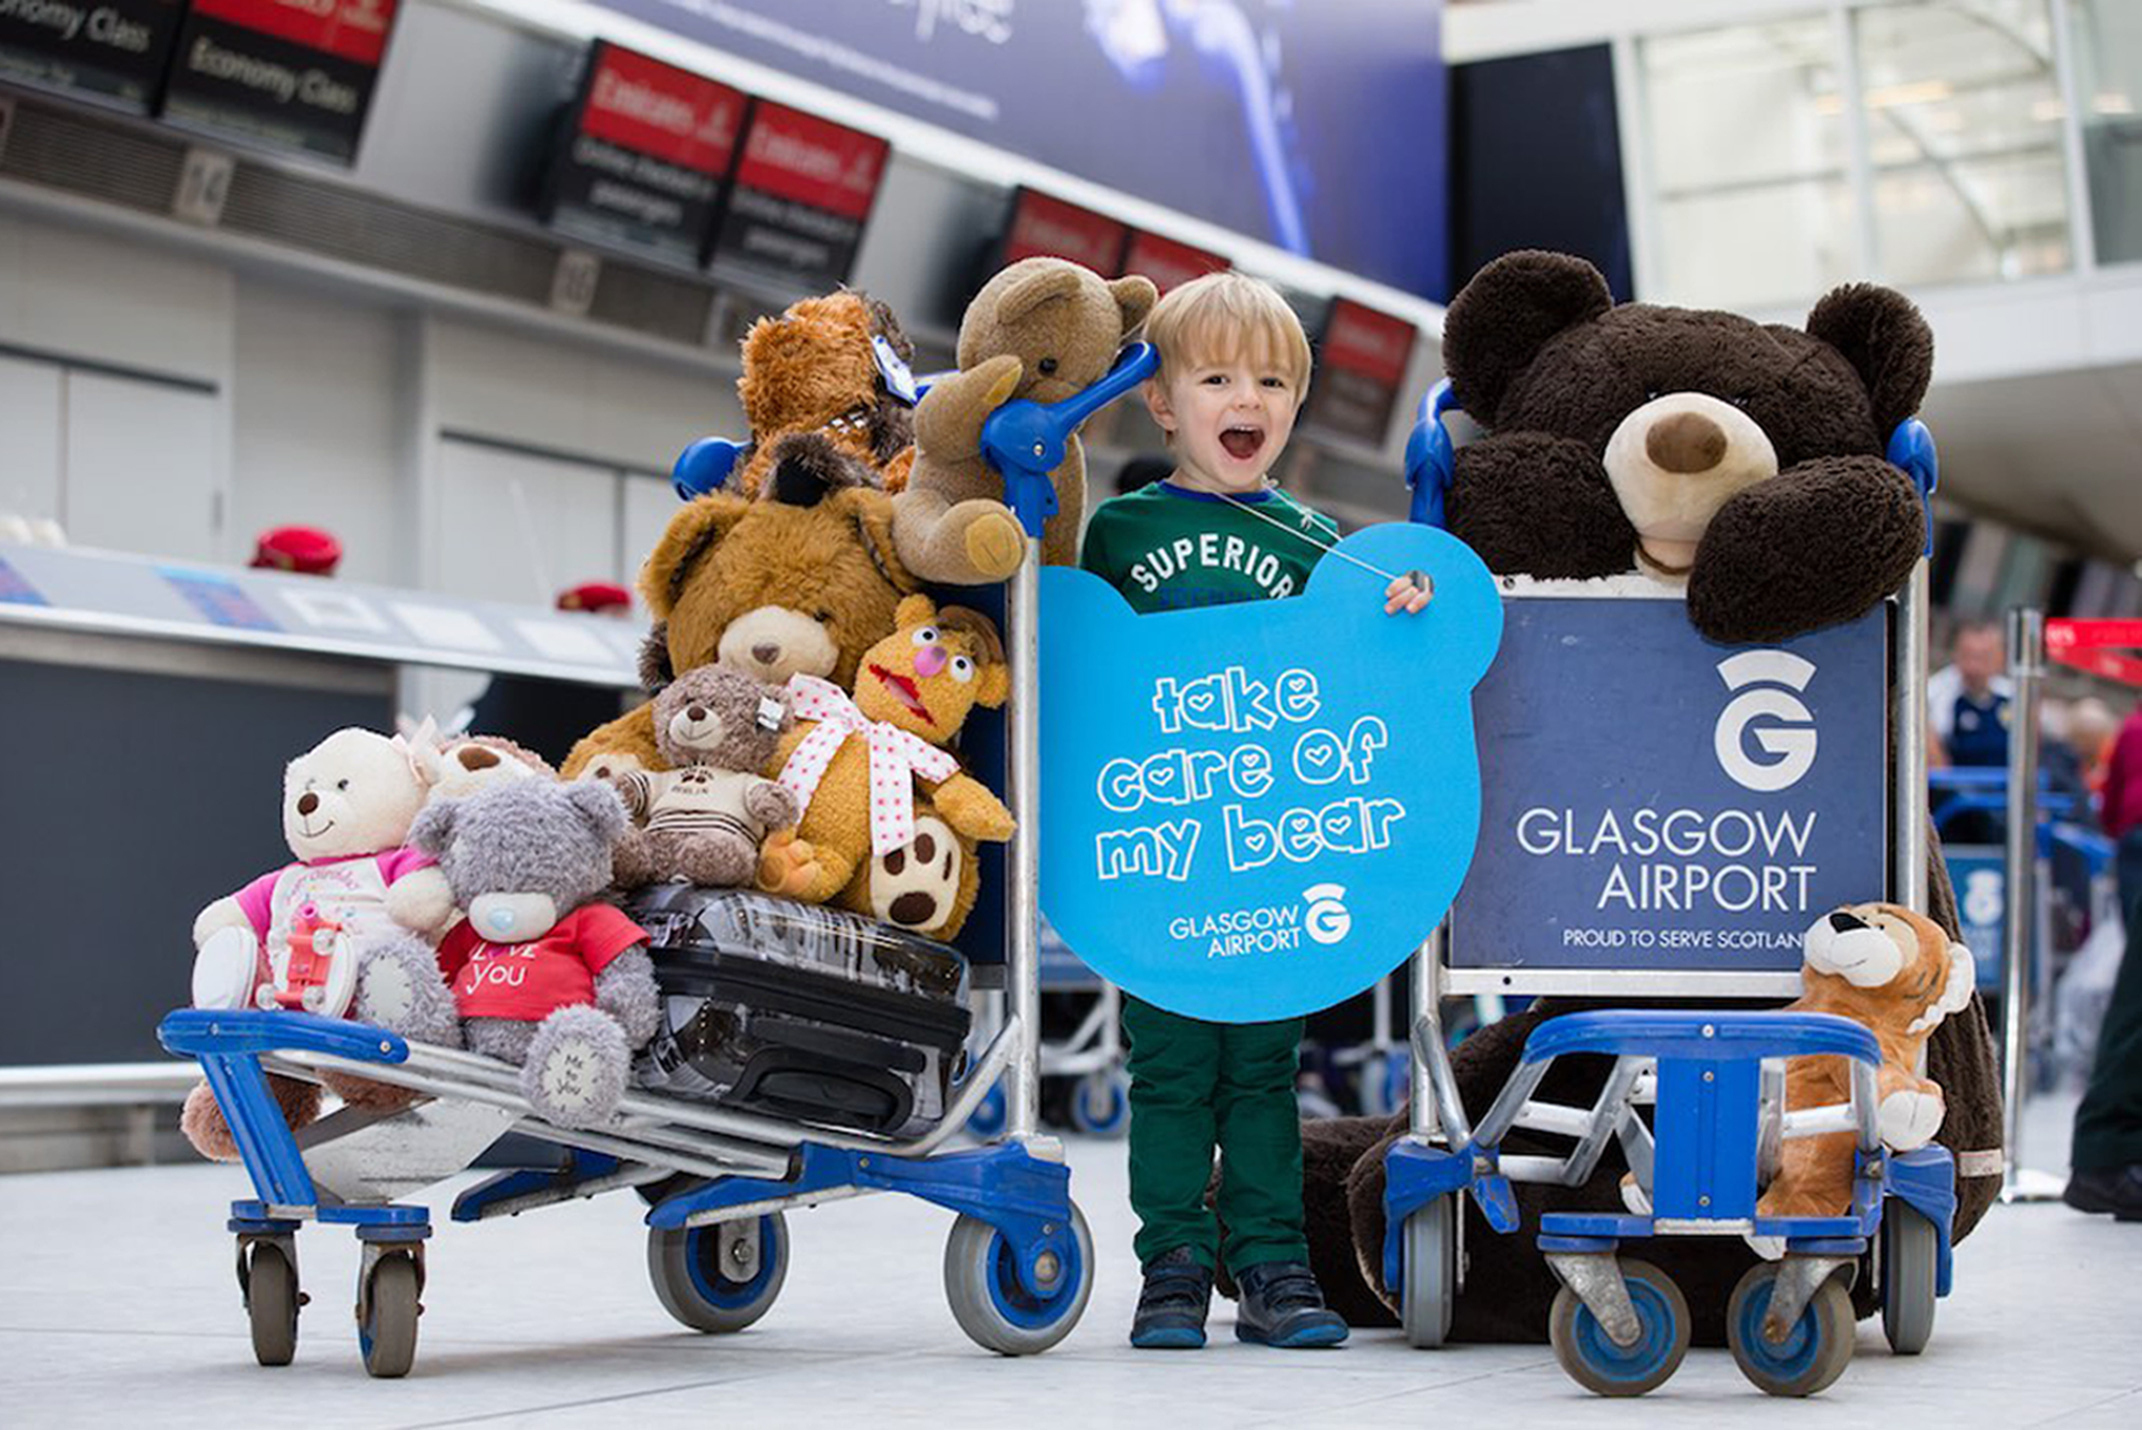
x=1687 y=443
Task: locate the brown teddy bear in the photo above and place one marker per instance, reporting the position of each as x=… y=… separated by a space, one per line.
x=854 y=764
x=1539 y=353
x=702 y=818
x=1900 y=975
x=814 y=368
x=800 y=580
x=1042 y=329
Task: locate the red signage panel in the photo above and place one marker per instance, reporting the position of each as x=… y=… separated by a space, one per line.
x=1168 y=263
x=1373 y=344
x=652 y=108
x=354 y=30
x=812 y=161
x=1043 y=227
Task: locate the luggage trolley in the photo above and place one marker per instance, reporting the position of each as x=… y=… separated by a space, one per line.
x=1715 y=1080
x=1018 y=1265
x=1090 y=1057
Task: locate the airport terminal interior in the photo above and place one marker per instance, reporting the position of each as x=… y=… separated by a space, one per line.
x=471 y=469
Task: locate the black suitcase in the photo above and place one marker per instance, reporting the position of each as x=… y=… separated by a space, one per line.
x=804 y=1013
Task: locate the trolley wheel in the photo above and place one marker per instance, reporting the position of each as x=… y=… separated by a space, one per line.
x=990 y=1114
x=1814 y=1353
x=1911 y=1249
x=1590 y=1356
x=387 y=1317
x=271 y=1302
x=1430 y=1258
x=994 y=1307
x=685 y=1265
x=1100 y=1104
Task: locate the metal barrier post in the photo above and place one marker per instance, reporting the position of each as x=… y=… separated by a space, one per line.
x=1022 y=981
x=2026 y=670
x=1423 y=1117
x=1908 y=718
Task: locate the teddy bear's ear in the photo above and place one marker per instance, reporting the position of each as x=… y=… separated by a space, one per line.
x=1135 y=296
x=871 y=511
x=691 y=534
x=1501 y=319
x=433 y=828
x=656 y=670
x=914 y=610
x=1050 y=279
x=994 y=688
x=1881 y=333
x=598 y=804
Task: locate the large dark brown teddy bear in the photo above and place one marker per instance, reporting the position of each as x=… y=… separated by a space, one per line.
x=1567 y=384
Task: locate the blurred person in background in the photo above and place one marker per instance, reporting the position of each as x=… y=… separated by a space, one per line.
x=1967 y=720
x=2107 y=1154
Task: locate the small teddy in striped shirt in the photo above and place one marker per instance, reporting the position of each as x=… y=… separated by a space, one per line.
x=702 y=819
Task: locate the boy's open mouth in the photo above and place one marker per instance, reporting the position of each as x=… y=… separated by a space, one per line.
x=1242 y=442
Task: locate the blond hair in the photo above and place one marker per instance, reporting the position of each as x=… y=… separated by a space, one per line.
x=1217 y=317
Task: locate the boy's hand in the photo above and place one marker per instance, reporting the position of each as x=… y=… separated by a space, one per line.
x=1410 y=593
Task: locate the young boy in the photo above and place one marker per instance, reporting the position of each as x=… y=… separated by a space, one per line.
x=1234 y=364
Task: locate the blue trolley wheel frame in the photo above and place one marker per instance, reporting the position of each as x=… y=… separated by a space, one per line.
x=1592 y=1358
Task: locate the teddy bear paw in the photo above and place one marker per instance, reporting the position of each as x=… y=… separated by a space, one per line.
x=577 y=1066
x=399 y=989
x=917 y=885
x=787 y=865
x=1909 y=1119
x=226 y=969
x=995 y=544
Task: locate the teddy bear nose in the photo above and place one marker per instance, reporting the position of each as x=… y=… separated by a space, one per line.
x=696 y=714
x=929 y=660
x=476 y=757
x=765 y=654
x=1686 y=442
x=1842 y=922
x=307 y=802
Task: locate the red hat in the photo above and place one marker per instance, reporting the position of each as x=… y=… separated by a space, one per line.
x=303 y=549
x=594 y=596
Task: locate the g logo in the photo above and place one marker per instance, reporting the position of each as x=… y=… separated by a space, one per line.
x=1327 y=920
x=1791 y=741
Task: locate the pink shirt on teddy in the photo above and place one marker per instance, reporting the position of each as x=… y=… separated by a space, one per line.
x=350 y=891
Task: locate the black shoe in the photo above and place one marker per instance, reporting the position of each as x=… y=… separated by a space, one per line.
x=1283 y=1306
x=2107 y=1189
x=1172 y=1305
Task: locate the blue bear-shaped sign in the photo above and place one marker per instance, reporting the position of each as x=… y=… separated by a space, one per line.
x=1254 y=811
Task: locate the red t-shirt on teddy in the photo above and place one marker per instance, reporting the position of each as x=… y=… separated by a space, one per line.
x=527 y=980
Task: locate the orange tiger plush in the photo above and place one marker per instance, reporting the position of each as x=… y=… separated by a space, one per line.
x=1897 y=974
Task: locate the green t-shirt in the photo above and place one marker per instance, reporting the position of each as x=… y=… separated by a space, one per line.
x=1166 y=547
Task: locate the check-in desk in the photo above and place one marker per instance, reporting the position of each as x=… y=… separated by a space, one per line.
x=147 y=708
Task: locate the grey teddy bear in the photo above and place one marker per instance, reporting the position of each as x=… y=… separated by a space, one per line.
x=706 y=815
x=544 y=974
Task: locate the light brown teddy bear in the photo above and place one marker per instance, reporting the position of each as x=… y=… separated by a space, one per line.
x=1899 y=975
x=814 y=368
x=801 y=580
x=855 y=764
x=1042 y=329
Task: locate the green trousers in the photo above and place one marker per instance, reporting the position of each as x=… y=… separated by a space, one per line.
x=1197 y=1085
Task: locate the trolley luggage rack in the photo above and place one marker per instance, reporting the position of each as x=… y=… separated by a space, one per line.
x=1715 y=1081
x=1018 y=1265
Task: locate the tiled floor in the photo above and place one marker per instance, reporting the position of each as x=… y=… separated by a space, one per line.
x=118 y=1305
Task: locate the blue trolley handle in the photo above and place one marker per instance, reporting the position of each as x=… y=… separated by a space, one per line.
x=1025 y=440
x=1431 y=460
x=1911 y=447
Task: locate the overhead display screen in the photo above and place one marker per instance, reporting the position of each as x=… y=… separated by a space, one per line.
x=802 y=194
x=112 y=52
x=286 y=74
x=643 y=156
